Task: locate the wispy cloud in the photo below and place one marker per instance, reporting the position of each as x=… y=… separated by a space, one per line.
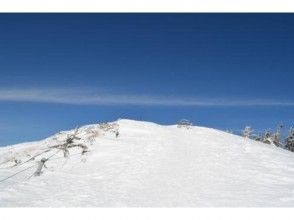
x=88 y=97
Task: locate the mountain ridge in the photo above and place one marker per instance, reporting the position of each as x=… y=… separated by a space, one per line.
x=148 y=165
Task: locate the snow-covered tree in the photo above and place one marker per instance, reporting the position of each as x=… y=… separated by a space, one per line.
x=246 y=132
x=276 y=138
x=266 y=137
x=289 y=142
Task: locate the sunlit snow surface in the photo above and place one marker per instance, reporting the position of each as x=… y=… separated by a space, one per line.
x=150 y=165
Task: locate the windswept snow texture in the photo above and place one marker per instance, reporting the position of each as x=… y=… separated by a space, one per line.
x=150 y=165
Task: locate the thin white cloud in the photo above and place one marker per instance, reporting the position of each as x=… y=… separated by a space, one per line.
x=87 y=97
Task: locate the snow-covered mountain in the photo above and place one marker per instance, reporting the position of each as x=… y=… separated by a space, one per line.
x=147 y=165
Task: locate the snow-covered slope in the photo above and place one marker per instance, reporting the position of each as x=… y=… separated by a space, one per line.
x=149 y=165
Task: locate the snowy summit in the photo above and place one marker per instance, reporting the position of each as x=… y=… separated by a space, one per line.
x=142 y=164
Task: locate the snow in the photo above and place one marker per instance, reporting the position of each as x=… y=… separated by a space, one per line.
x=150 y=165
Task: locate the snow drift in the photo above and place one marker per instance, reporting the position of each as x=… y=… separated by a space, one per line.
x=148 y=165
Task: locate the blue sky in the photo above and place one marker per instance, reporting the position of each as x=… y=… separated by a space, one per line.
x=218 y=70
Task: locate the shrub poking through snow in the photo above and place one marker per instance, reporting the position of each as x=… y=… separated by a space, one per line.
x=184 y=123
x=70 y=143
x=110 y=127
x=92 y=134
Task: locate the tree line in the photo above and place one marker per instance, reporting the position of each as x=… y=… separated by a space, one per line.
x=268 y=137
x=273 y=138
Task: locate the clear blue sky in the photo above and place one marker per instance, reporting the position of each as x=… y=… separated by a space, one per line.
x=218 y=70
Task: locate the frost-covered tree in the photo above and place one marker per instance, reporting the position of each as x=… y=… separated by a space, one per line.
x=276 y=138
x=289 y=141
x=268 y=137
x=246 y=132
